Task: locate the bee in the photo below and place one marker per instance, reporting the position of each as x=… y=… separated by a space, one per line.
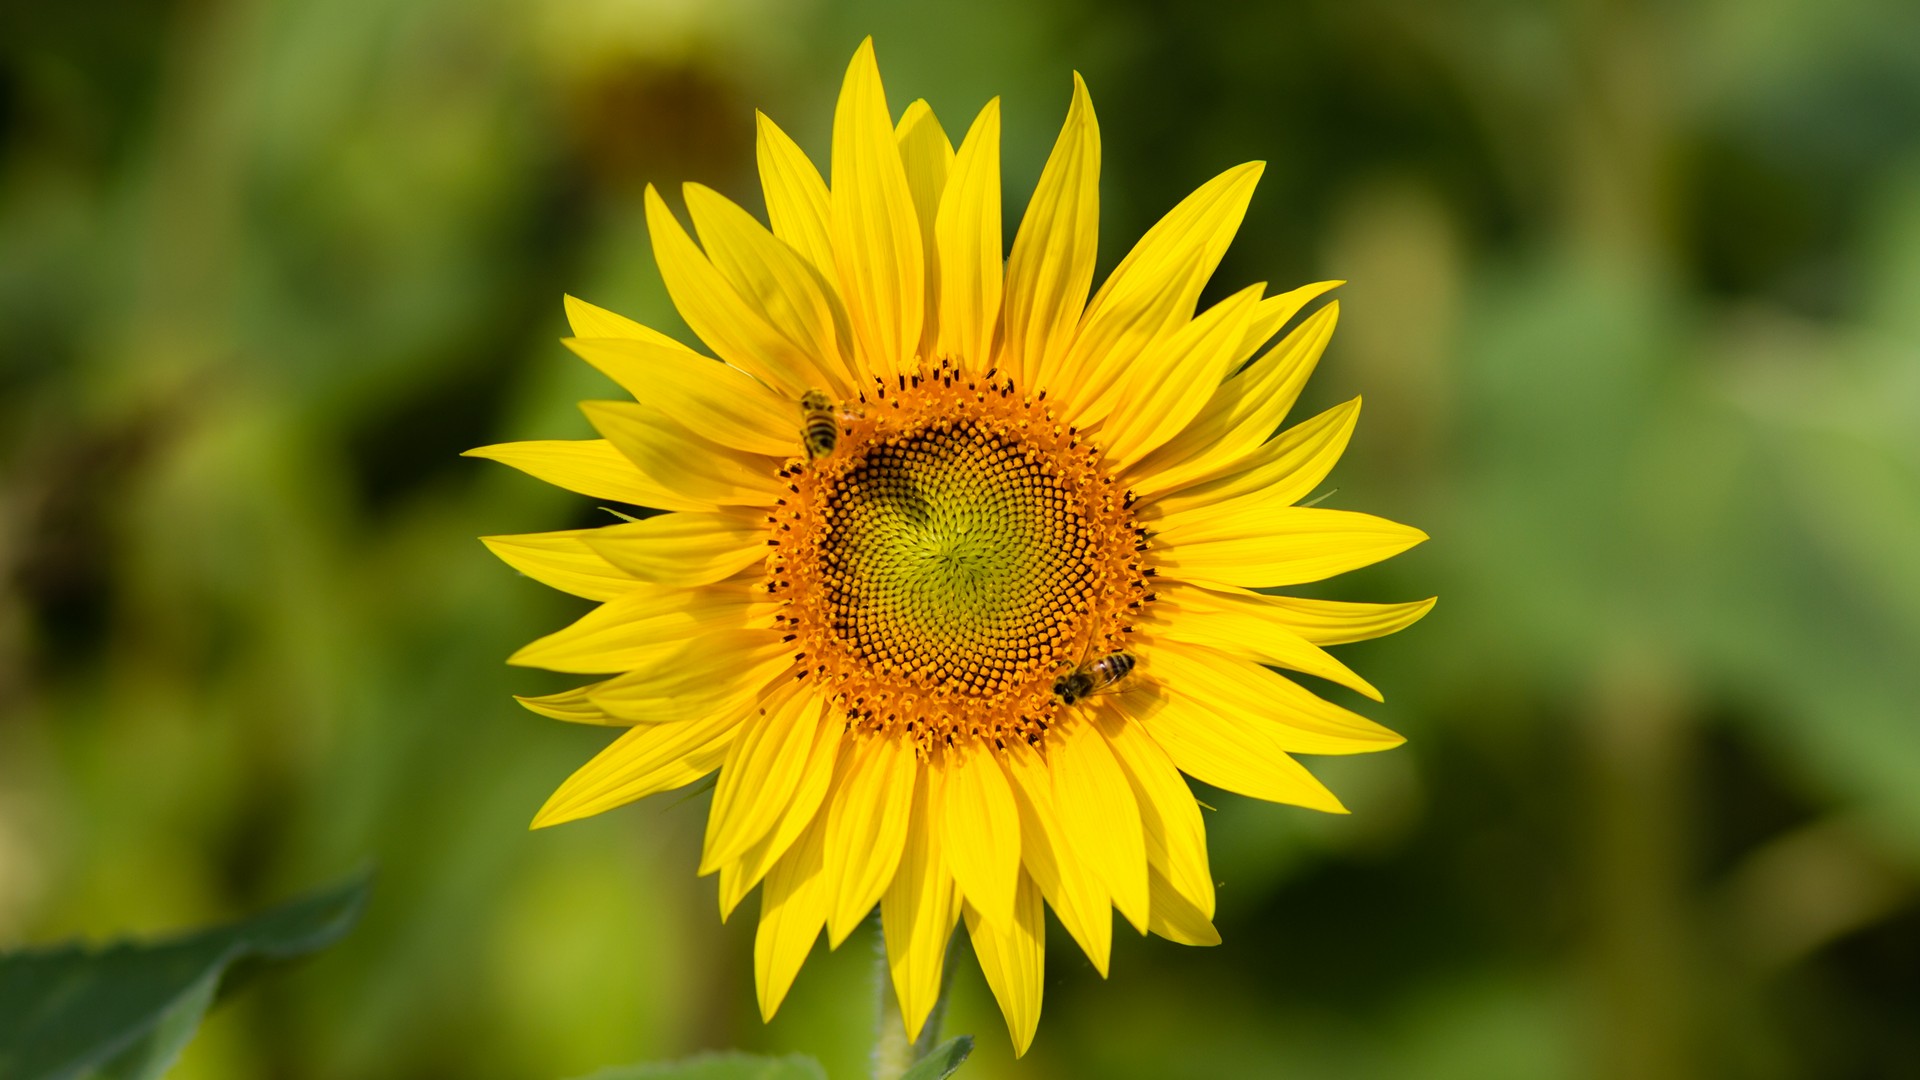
x=1093 y=676
x=819 y=423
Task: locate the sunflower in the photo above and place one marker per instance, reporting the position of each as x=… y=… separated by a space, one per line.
x=956 y=571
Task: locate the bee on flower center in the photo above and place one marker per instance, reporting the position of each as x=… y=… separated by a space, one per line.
x=819 y=424
x=1093 y=676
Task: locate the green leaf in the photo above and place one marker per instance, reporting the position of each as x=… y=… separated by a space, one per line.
x=941 y=1061
x=154 y=1053
x=728 y=1066
x=125 y=1011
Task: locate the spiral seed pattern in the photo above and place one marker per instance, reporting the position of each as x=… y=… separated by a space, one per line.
x=952 y=556
x=957 y=552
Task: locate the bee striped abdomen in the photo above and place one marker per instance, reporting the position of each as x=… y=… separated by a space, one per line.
x=819 y=424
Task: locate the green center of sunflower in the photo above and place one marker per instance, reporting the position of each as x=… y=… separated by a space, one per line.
x=953 y=554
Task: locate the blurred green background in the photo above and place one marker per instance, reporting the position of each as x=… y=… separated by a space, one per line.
x=1634 y=303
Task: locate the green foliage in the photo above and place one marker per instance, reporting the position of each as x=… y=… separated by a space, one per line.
x=126 y=1011
x=721 y=1067
x=939 y=1064
x=941 y=1061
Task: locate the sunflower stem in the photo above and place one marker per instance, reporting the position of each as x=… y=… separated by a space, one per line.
x=893 y=1054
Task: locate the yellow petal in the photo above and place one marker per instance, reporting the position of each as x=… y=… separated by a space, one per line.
x=1241 y=414
x=763 y=770
x=1284 y=469
x=792 y=906
x=732 y=325
x=590 y=467
x=564 y=561
x=1171 y=380
x=927 y=156
x=1246 y=628
x=1169 y=816
x=574 y=706
x=779 y=282
x=796 y=195
x=699 y=470
x=1231 y=750
x=682 y=549
x=867 y=828
x=1175 y=917
x=739 y=877
x=919 y=910
x=642 y=762
x=707 y=673
x=1275 y=312
x=1079 y=898
x=1013 y=958
x=1243 y=542
x=981 y=827
x=709 y=398
x=1154 y=289
x=1291 y=716
x=876 y=235
x=589 y=321
x=1099 y=815
x=1335 y=622
x=1051 y=266
x=967 y=241
x=640 y=626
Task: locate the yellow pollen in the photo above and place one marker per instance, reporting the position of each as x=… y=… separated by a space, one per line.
x=958 y=550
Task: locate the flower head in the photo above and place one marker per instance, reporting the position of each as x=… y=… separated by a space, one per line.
x=955 y=575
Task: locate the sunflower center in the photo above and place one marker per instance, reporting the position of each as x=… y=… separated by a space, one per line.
x=956 y=551
x=951 y=555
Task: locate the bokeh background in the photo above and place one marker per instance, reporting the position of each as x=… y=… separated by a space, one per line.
x=1634 y=303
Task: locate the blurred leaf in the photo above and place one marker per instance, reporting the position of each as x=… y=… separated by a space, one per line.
x=728 y=1066
x=155 y=1052
x=126 y=1011
x=942 y=1060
